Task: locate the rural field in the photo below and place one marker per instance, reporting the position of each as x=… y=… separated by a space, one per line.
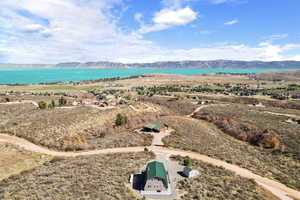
x=14 y=160
x=218 y=183
x=205 y=138
x=70 y=128
x=89 y=177
x=254 y=132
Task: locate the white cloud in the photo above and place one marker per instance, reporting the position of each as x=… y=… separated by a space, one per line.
x=271 y=52
x=296 y=58
x=232 y=22
x=167 y=18
x=32 y=28
x=278 y=36
x=175 y=17
x=288 y=47
x=139 y=17
x=78 y=31
x=228 y=1
x=263 y=51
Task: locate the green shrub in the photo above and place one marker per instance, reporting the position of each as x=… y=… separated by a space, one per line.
x=53 y=104
x=102 y=134
x=166 y=141
x=187 y=161
x=42 y=105
x=62 y=101
x=121 y=120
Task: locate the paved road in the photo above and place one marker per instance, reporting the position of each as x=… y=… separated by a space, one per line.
x=267 y=183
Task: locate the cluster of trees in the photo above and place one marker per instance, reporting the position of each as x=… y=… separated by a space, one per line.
x=244 y=131
x=61 y=102
x=280 y=93
x=161 y=89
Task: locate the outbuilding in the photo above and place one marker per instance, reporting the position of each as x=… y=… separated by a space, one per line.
x=155 y=126
x=190 y=173
x=156 y=177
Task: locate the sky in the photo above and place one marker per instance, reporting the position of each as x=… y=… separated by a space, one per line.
x=55 y=31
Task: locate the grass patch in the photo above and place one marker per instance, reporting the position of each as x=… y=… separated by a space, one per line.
x=14 y=160
x=181 y=107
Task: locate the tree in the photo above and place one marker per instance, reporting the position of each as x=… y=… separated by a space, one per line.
x=102 y=134
x=187 y=161
x=121 y=120
x=62 y=101
x=42 y=105
x=53 y=103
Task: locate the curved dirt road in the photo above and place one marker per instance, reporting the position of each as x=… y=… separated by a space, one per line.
x=284 y=191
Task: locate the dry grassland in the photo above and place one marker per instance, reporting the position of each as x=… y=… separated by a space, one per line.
x=14 y=160
x=217 y=183
x=57 y=128
x=206 y=139
x=90 y=177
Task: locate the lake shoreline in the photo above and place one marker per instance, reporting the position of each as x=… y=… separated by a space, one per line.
x=76 y=76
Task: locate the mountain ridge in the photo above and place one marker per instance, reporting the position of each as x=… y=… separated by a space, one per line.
x=166 y=64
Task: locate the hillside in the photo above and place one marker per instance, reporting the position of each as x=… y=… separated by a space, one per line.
x=168 y=64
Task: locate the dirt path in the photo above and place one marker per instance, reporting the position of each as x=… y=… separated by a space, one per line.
x=278 y=189
x=281 y=114
x=21 y=102
x=204 y=106
x=267 y=183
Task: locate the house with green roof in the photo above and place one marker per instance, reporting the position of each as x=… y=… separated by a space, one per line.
x=155 y=126
x=156 y=177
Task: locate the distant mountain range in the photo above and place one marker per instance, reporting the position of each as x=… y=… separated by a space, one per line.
x=170 y=64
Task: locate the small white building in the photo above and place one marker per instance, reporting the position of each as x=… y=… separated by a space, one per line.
x=75 y=103
x=190 y=173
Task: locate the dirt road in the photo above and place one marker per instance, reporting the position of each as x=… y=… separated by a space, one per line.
x=21 y=102
x=268 y=183
x=280 y=190
x=281 y=114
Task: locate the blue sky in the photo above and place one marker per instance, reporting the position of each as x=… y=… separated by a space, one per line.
x=53 y=31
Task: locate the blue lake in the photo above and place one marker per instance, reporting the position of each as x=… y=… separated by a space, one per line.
x=31 y=76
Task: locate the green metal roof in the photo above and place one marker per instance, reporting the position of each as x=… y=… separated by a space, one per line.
x=156 y=170
x=155 y=125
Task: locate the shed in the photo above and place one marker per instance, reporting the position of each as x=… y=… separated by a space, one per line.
x=190 y=173
x=155 y=126
x=156 y=177
x=296 y=96
x=101 y=97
